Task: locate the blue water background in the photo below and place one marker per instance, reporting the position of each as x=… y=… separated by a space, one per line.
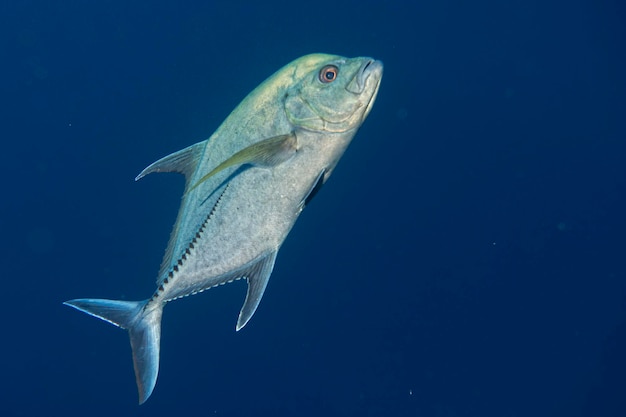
x=467 y=258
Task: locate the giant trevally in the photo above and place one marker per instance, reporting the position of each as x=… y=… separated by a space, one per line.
x=245 y=187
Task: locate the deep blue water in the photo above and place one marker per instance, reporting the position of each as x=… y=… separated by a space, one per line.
x=467 y=258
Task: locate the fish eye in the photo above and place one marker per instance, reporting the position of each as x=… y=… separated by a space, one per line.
x=328 y=74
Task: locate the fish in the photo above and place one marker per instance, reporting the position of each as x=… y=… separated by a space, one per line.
x=246 y=185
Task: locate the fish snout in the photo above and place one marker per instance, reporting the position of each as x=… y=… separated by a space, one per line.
x=368 y=68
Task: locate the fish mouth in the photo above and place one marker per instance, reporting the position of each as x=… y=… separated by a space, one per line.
x=368 y=68
x=366 y=83
x=372 y=69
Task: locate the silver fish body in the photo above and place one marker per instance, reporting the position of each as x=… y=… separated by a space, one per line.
x=246 y=186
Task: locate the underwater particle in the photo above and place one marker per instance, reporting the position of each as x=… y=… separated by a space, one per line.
x=563 y=227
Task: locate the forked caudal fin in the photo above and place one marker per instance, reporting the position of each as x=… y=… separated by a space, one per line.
x=143 y=322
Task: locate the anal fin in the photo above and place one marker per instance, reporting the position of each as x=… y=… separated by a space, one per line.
x=257 y=277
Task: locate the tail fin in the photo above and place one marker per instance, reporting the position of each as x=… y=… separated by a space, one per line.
x=143 y=322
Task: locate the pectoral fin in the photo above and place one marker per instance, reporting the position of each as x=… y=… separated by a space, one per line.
x=268 y=152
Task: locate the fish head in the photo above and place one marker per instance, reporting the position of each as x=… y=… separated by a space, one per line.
x=330 y=93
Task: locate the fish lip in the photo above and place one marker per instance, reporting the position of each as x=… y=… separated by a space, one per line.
x=357 y=85
x=369 y=66
x=374 y=68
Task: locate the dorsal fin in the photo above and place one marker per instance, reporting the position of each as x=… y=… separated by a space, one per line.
x=184 y=161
